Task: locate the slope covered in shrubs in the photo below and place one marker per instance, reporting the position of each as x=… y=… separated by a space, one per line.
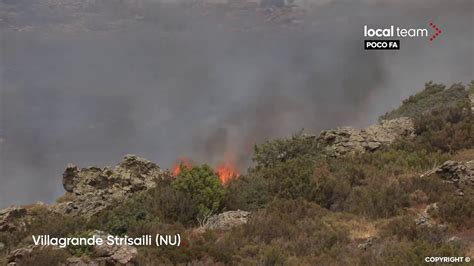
x=432 y=97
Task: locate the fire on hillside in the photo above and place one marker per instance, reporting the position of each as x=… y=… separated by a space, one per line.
x=226 y=170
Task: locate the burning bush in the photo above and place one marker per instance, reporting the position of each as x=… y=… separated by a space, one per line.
x=182 y=163
x=226 y=170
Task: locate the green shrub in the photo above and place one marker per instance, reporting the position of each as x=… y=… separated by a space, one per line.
x=272 y=256
x=80 y=250
x=295 y=226
x=405 y=228
x=291 y=179
x=43 y=222
x=331 y=191
x=432 y=185
x=447 y=129
x=432 y=97
x=378 y=200
x=162 y=204
x=248 y=192
x=274 y=152
x=204 y=188
x=457 y=210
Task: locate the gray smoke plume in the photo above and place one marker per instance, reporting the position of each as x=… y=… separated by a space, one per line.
x=89 y=81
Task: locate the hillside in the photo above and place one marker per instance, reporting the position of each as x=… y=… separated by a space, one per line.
x=390 y=194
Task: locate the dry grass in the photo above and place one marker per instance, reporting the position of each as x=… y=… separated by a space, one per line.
x=65 y=197
x=359 y=228
x=362 y=229
x=470 y=250
x=464 y=155
x=467 y=236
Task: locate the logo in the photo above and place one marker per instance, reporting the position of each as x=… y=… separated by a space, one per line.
x=391 y=35
x=437 y=33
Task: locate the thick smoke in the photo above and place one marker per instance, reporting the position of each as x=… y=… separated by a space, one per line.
x=88 y=84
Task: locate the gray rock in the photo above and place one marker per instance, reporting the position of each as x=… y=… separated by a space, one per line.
x=95 y=189
x=347 y=140
x=366 y=244
x=460 y=174
x=423 y=220
x=116 y=254
x=453 y=239
x=70 y=177
x=18 y=254
x=227 y=220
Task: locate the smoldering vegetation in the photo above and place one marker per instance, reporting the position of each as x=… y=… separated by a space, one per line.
x=89 y=81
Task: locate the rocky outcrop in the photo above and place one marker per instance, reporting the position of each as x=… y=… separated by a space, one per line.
x=459 y=174
x=227 y=220
x=425 y=218
x=368 y=243
x=9 y=218
x=15 y=256
x=346 y=140
x=122 y=254
x=92 y=189
x=107 y=254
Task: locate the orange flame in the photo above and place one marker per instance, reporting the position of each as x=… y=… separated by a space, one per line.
x=226 y=171
x=182 y=162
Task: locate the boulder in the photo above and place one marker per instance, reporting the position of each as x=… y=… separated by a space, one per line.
x=18 y=254
x=113 y=254
x=460 y=174
x=227 y=220
x=369 y=242
x=70 y=177
x=93 y=188
x=107 y=254
x=424 y=218
x=9 y=218
x=347 y=140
